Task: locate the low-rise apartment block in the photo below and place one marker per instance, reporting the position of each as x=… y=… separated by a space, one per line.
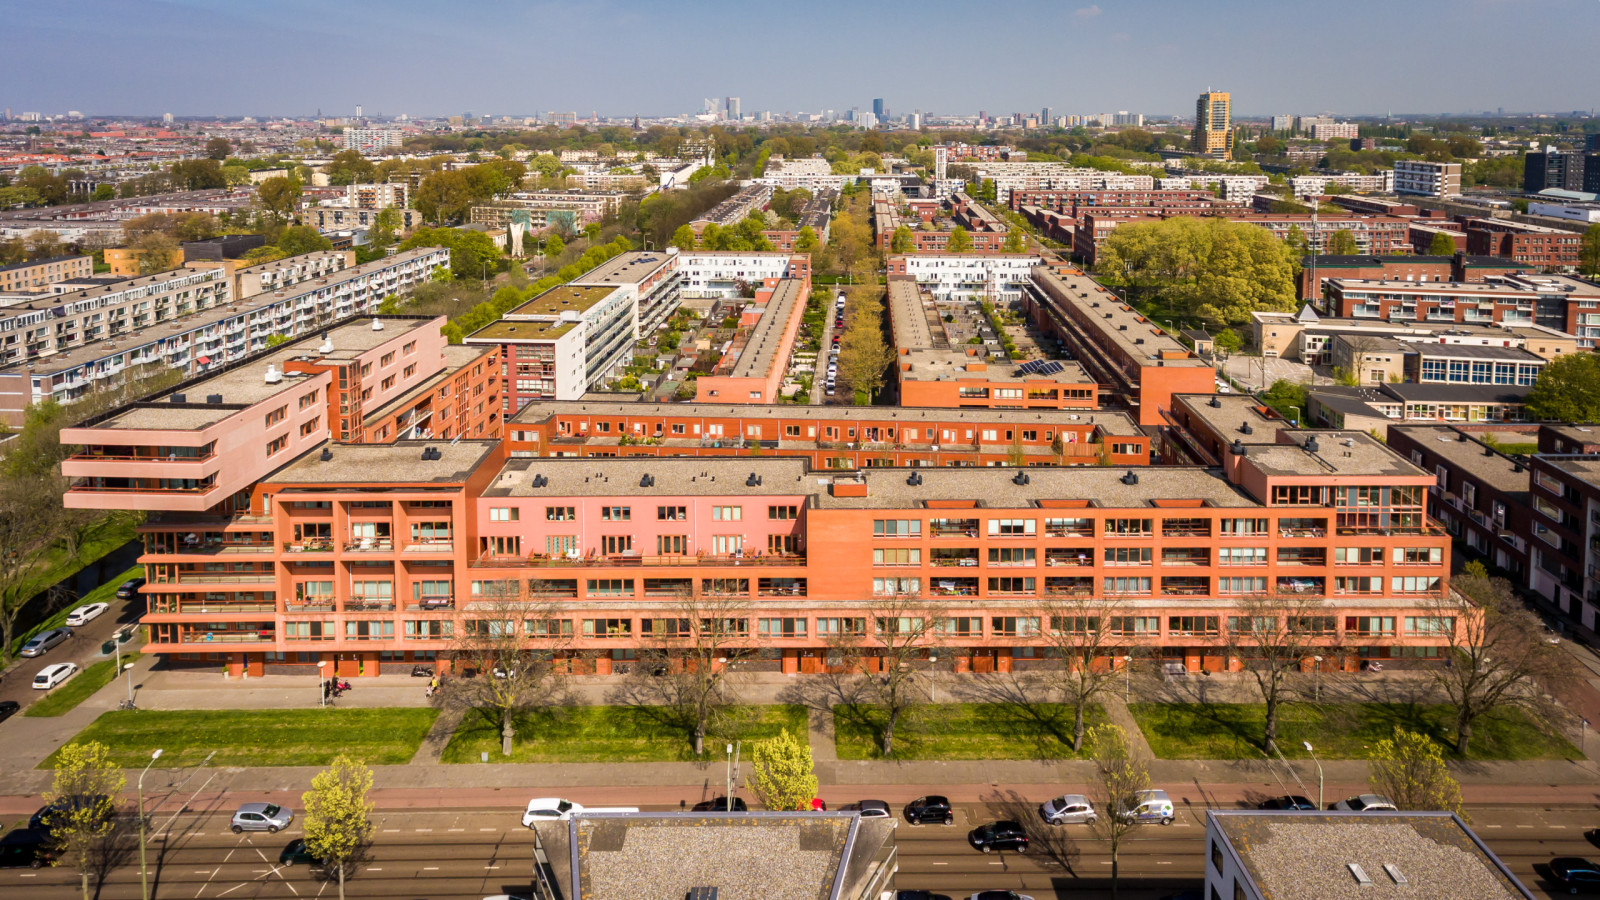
x=1557 y=302
x=996 y=278
x=563 y=342
x=727 y=273
x=38 y=275
x=752 y=367
x=1427 y=179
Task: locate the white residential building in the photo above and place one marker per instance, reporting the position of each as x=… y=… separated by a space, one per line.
x=997 y=278
x=371 y=140
x=1427 y=179
x=719 y=273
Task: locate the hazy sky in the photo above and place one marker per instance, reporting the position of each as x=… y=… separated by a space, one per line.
x=656 y=57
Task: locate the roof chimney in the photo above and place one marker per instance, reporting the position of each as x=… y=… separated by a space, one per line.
x=377 y=324
x=273 y=375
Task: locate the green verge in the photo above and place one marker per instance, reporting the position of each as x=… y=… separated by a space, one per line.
x=65 y=698
x=1336 y=730
x=105 y=593
x=613 y=734
x=269 y=737
x=962 y=731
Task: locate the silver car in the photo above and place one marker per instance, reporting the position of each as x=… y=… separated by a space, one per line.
x=44 y=640
x=268 y=817
x=1068 y=809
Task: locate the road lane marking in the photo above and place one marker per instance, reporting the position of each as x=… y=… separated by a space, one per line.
x=1524 y=826
x=1491 y=826
x=1557 y=826
x=941 y=864
x=430 y=868
x=424 y=829
x=997 y=863
x=374 y=868
x=391 y=831
x=491 y=867
x=1163 y=862
x=455 y=829
x=488 y=829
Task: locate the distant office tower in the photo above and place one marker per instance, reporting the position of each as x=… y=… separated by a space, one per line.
x=867 y=121
x=1591 y=143
x=166 y=118
x=371 y=140
x=1282 y=123
x=877 y=107
x=1213 y=125
x=1044 y=116
x=916 y=121
x=1125 y=119
x=941 y=161
x=359 y=112
x=733 y=109
x=1553 y=169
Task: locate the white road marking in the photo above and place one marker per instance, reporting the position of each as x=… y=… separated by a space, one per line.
x=941 y=864
x=491 y=867
x=29 y=875
x=374 y=868
x=391 y=830
x=488 y=829
x=1163 y=862
x=997 y=863
x=430 y=868
x=455 y=829
x=1558 y=826
x=424 y=829
x=1490 y=826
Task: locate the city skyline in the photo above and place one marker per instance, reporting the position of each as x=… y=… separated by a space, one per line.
x=1298 y=61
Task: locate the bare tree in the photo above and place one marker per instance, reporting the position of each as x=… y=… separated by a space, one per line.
x=1272 y=637
x=511 y=641
x=1118 y=779
x=1497 y=652
x=903 y=628
x=1079 y=632
x=29 y=506
x=688 y=663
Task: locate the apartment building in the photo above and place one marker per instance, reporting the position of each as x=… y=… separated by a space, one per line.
x=547 y=208
x=563 y=342
x=749 y=199
x=367 y=556
x=1374 y=408
x=653 y=278
x=1535 y=245
x=753 y=365
x=282 y=274
x=725 y=274
x=1480 y=495
x=62 y=322
x=1317 y=185
x=1124 y=352
x=986 y=232
x=1213 y=125
x=371 y=140
x=830 y=437
x=1374 y=235
x=37 y=276
x=1307 y=337
x=996 y=278
x=1316 y=270
x=336 y=217
x=209 y=339
x=1076 y=202
x=1427 y=179
x=1556 y=302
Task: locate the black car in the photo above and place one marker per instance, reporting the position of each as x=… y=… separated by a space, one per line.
x=130 y=589
x=1002 y=835
x=296 y=852
x=933 y=810
x=25 y=848
x=1291 y=802
x=1575 y=873
x=8 y=708
x=720 y=804
x=39 y=821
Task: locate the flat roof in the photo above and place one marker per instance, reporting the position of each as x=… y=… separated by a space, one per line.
x=1110 y=316
x=703 y=477
x=1514 y=285
x=908 y=314
x=563 y=298
x=43 y=262
x=995 y=488
x=288 y=261
x=1224 y=413
x=456 y=358
x=625 y=268
x=927 y=364
x=1337 y=453
x=521 y=330
x=1410 y=391
x=1586 y=468
x=1474 y=351
x=397 y=463
x=1112 y=421
x=1307 y=856
x=1470 y=455
x=760 y=350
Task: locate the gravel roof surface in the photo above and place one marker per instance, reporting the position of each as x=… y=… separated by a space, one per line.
x=746 y=857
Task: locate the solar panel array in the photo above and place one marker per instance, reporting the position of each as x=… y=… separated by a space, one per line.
x=1040 y=367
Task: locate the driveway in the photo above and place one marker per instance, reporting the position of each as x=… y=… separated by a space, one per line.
x=82 y=648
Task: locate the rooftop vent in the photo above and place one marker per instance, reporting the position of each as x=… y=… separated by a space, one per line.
x=214 y=398
x=1019 y=479
x=1461 y=436
x=753 y=481
x=327 y=344
x=1130 y=478
x=327 y=454
x=914 y=479
x=1395 y=873
x=540 y=481
x=1311 y=444
x=1362 y=878
x=647 y=481
x=178 y=398
x=1238 y=447
x=377 y=324
x=1214 y=402
x=1488 y=451
x=273 y=376
x=1245 y=428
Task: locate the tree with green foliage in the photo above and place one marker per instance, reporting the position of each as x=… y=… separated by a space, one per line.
x=782 y=775
x=1589 y=251
x=1342 y=243
x=298 y=239
x=82 y=811
x=683 y=238
x=1227 y=339
x=864 y=356
x=1208 y=268
x=902 y=241
x=807 y=241
x=338 y=818
x=385 y=225
x=1409 y=769
x=960 y=241
x=1016 y=241
x=154 y=252
x=280 y=195
x=198 y=174
x=1118 y=779
x=349 y=167
x=470 y=250
x=103 y=192
x=1567 y=390
x=554 y=246
x=218 y=148
x=1441 y=245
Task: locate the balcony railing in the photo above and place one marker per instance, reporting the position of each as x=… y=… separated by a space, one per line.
x=221 y=578
x=299 y=606
x=369 y=545
x=955 y=561
x=611 y=562
x=311 y=545
x=226 y=637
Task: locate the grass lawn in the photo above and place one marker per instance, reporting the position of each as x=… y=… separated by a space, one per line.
x=66 y=697
x=613 y=734
x=1518 y=449
x=269 y=737
x=108 y=539
x=1337 y=730
x=962 y=731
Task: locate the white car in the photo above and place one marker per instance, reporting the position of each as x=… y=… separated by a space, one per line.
x=83 y=614
x=1366 y=803
x=53 y=674
x=547 y=809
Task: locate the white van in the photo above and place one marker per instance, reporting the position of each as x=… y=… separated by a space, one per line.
x=52 y=675
x=1149 y=806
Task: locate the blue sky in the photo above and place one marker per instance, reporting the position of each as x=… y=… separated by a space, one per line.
x=655 y=57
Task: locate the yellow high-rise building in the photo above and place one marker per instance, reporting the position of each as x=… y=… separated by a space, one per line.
x=1213 y=125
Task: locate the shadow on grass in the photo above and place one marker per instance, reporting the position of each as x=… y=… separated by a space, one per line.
x=1013 y=707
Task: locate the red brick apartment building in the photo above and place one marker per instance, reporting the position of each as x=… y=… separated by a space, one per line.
x=1076 y=202
x=1567 y=304
x=1547 y=248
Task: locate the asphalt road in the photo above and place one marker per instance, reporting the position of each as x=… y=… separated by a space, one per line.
x=477 y=853
x=82 y=648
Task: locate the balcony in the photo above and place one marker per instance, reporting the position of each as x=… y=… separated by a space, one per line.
x=1186 y=556
x=781 y=587
x=433 y=603
x=369 y=605
x=943 y=528
x=962 y=556
x=431 y=546
x=220 y=578
x=1185 y=587
x=309 y=545
x=613 y=562
x=1303 y=556
x=953 y=587
x=369 y=545
x=1069 y=556
x=198 y=636
x=1069 y=586
x=305 y=606
x=1294 y=584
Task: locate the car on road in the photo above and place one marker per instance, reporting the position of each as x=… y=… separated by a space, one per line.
x=1149 y=806
x=932 y=809
x=1366 y=803
x=41 y=820
x=868 y=809
x=553 y=809
x=8 y=708
x=53 y=674
x=1575 y=873
x=296 y=852
x=85 y=614
x=44 y=640
x=1068 y=809
x=999 y=895
x=129 y=589
x=25 y=848
x=268 y=817
x=1289 y=803
x=720 y=804
x=1002 y=835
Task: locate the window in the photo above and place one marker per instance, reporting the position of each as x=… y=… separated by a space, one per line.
x=1128 y=528
x=1135 y=626
x=607 y=628
x=960 y=626
x=1246 y=585
x=409 y=348
x=387 y=383
x=897 y=527
x=369 y=631
x=727 y=513
x=1127 y=556
x=1242 y=527
x=1435 y=626
x=276 y=444
x=889 y=586
x=1192 y=626
x=277 y=416
x=1012 y=527
x=1242 y=556
x=724 y=585
x=1316 y=626
x=1127 y=585
x=727 y=544
x=1370 y=626
x=610 y=587
x=308 y=399
x=1358 y=556
x=561 y=514
x=1413 y=584
x=781 y=627
x=410 y=370
x=386 y=359
x=672 y=544
x=783 y=512
x=1262 y=627
x=847 y=627
x=672 y=513
x=616 y=544
x=1022 y=585
x=897 y=556
x=1359 y=584
x=428 y=630
x=372 y=591
x=1011 y=556
x=616 y=513
x=1418 y=556
x=1014 y=626
x=309 y=428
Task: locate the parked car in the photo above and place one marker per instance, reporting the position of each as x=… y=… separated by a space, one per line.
x=268 y=817
x=296 y=852
x=25 y=848
x=8 y=708
x=84 y=614
x=548 y=809
x=1366 y=803
x=932 y=809
x=44 y=640
x=720 y=804
x=130 y=589
x=868 y=809
x=1002 y=835
x=1290 y=802
x=53 y=674
x=999 y=895
x=1149 y=806
x=1575 y=873
x=41 y=820
x=1068 y=809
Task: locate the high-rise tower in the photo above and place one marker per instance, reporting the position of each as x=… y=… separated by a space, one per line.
x=1213 y=125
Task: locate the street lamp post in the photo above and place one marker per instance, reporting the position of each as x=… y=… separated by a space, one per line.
x=322 y=694
x=1318 y=677
x=1319 y=771
x=144 y=872
x=124 y=668
x=1127 y=684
